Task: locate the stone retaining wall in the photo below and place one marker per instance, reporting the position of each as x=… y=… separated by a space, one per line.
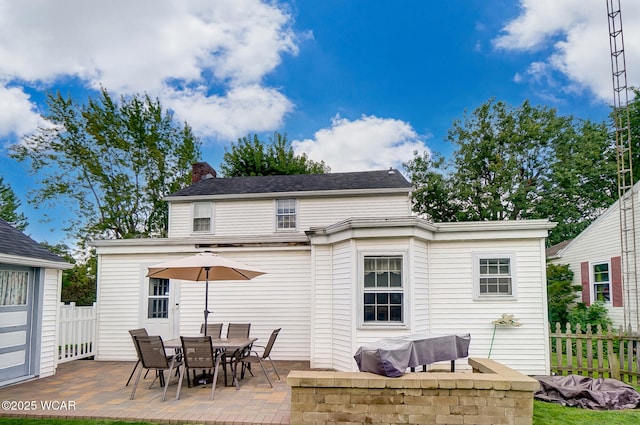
x=493 y=394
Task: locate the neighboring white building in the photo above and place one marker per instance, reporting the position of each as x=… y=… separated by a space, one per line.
x=347 y=264
x=594 y=256
x=30 y=285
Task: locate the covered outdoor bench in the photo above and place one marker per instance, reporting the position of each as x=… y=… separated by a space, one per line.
x=392 y=356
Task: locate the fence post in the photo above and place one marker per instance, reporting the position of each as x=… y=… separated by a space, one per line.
x=614 y=366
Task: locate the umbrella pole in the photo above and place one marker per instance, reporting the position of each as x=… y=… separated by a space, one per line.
x=206 y=299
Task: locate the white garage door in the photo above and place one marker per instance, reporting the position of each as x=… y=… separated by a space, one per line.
x=16 y=306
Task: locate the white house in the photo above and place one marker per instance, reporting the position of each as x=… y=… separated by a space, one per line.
x=594 y=256
x=30 y=284
x=347 y=264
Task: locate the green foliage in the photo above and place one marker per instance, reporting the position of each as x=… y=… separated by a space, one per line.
x=110 y=164
x=79 y=282
x=561 y=293
x=632 y=130
x=515 y=163
x=253 y=157
x=9 y=205
x=594 y=315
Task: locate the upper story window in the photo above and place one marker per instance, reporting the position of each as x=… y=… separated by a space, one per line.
x=383 y=290
x=202 y=216
x=494 y=276
x=601 y=282
x=286 y=214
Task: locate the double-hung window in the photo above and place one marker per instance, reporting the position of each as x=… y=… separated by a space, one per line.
x=158 y=299
x=601 y=282
x=494 y=276
x=383 y=290
x=202 y=217
x=286 y=214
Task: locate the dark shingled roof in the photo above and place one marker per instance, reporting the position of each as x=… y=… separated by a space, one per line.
x=14 y=242
x=386 y=179
x=554 y=250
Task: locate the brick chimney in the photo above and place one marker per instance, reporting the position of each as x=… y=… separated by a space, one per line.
x=201 y=171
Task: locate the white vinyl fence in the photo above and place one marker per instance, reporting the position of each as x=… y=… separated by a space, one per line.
x=77 y=332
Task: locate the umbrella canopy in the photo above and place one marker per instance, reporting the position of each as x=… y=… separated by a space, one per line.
x=204 y=267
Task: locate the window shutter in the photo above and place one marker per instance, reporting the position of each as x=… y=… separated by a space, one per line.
x=616 y=281
x=584 y=278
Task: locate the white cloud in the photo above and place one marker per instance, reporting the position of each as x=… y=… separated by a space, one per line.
x=17 y=114
x=146 y=45
x=575 y=38
x=368 y=143
x=245 y=108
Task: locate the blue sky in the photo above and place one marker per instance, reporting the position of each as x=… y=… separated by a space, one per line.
x=360 y=84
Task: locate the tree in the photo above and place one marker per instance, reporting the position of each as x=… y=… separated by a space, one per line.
x=561 y=293
x=79 y=282
x=9 y=204
x=515 y=163
x=110 y=163
x=634 y=130
x=253 y=157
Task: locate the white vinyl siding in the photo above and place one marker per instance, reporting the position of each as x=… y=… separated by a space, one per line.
x=278 y=299
x=119 y=280
x=179 y=219
x=344 y=270
x=317 y=212
x=49 y=332
x=419 y=279
x=321 y=307
x=256 y=216
x=453 y=309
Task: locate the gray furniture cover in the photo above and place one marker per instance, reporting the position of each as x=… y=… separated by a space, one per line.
x=392 y=356
x=588 y=393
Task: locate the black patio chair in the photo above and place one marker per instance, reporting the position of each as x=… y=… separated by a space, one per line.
x=254 y=357
x=136 y=332
x=197 y=353
x=153 y=356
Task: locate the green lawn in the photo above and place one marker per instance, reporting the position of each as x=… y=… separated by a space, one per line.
x=554 y=414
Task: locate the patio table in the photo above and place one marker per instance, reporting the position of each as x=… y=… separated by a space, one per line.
x=230 y=345
x=392 y=356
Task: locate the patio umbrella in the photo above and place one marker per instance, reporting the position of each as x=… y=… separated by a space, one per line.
x=204 y=267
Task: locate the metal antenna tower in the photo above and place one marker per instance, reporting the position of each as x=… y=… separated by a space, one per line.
x=625 y=169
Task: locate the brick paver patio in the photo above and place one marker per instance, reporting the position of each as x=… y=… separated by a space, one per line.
x=96 y=389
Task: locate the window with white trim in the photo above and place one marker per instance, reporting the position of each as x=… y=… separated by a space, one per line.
x=494 y=276
x=601 y=282
x=158 y=299
x=383 y=290
x=286 y=214
x=202 y=217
